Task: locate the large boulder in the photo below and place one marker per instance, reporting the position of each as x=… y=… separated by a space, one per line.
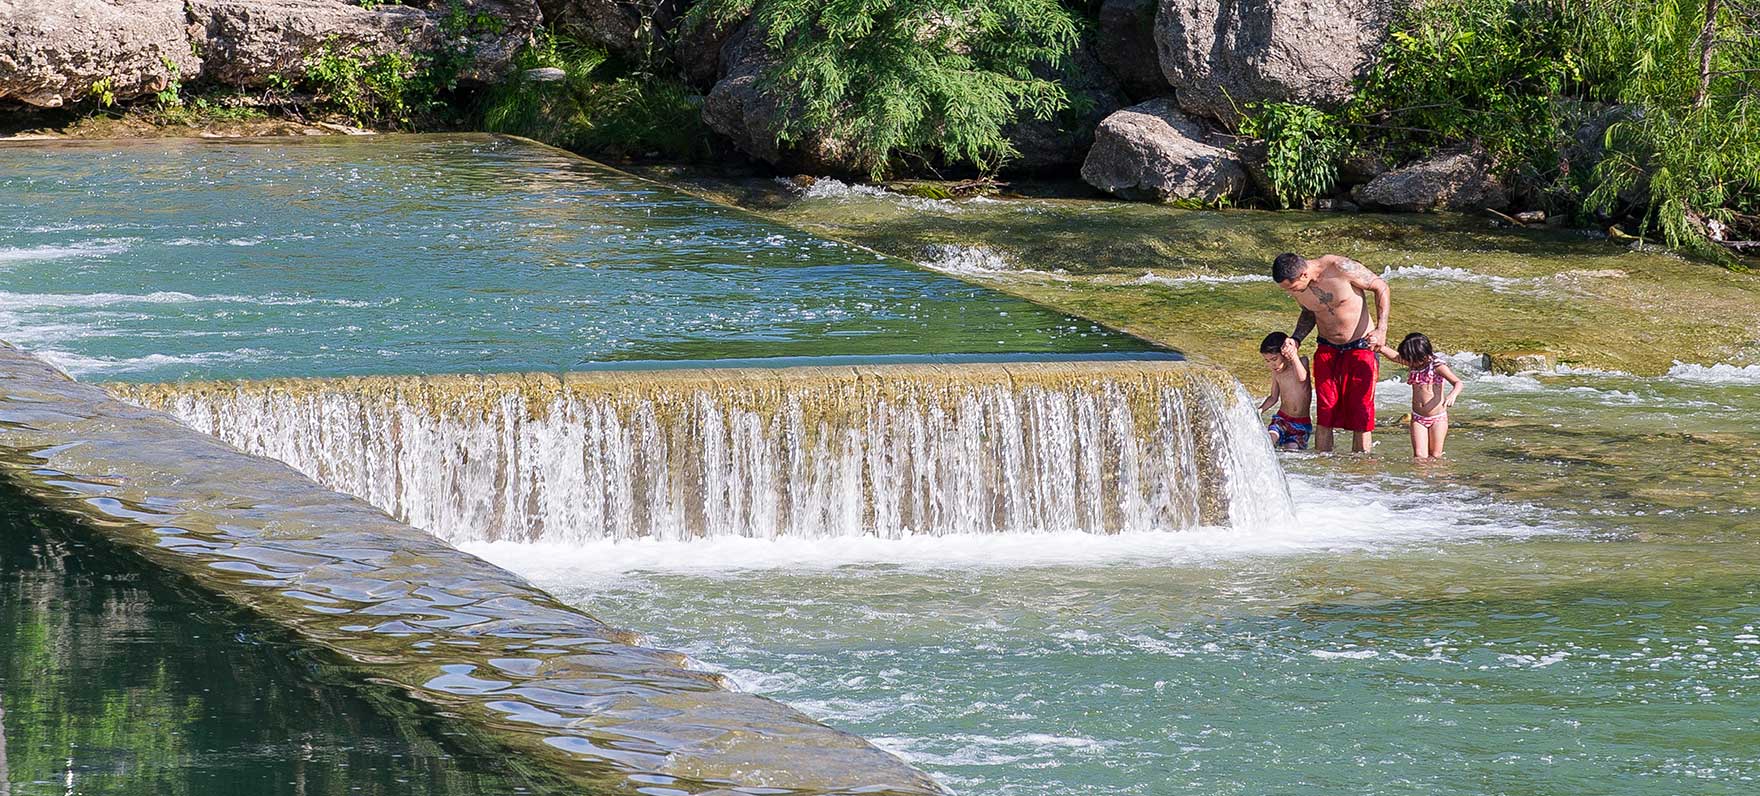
x=1128 y=29
x=246 y=42
x=697 y=48
x=738 y=107
x=1220 y=55
x=1060 y=142
x=1462 y=179
x=1154 y=152
x=53 y=51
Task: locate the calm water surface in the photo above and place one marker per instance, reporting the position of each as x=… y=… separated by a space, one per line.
x=159 y=260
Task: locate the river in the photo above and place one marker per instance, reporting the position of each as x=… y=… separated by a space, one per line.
x=1566 y=605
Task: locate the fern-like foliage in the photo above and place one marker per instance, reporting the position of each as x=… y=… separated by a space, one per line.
x=936 y=80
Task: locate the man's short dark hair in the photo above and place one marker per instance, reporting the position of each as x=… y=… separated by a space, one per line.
x=1287 y=267
x=1273 y=343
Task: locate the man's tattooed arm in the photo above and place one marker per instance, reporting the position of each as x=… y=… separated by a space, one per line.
x=1304 y=325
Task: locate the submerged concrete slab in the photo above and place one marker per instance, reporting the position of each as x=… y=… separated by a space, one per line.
x=564 y=691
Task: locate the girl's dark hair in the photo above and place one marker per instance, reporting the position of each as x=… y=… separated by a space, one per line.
x=1272 y=343
x=1416 y=348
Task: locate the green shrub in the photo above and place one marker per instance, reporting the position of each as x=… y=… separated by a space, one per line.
x=937 y=80
x=1302 y=148
x=369 y=87
x=599 y=106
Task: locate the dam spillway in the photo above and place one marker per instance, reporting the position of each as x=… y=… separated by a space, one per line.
x=887 y=450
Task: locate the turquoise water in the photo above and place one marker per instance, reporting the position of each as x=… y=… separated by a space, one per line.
x=1568 y=606
x=159 y=260
x=115 y=680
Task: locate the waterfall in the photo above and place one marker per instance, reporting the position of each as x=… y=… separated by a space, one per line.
x=892 y=451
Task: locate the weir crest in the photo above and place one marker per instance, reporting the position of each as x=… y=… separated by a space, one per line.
x=889 y=450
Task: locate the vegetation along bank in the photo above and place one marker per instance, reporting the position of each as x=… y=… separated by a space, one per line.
x=1631 y=115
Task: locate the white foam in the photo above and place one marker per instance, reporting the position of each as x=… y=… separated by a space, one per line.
x=1331 y=518
x=1447 y=273
x=975 y=261
x=1720 y=373
x=41 y=302
x=90 y=248
x=1152 y=278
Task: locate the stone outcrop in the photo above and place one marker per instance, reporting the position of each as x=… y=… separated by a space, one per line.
x=616 y=26
x=53 y=51
x=696 y=49
x=1458 y=180
x=1126 y=29
x=1220 y=55
x=244 y=42
x=1154 y=152
x=738 y=108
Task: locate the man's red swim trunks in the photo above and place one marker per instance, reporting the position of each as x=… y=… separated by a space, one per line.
x=1344 y=386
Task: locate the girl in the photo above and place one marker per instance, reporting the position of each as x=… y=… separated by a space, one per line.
x=1430 y=402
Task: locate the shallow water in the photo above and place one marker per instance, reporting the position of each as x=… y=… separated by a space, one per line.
x=115 y=679
x=159 y=260
x=1567 y=605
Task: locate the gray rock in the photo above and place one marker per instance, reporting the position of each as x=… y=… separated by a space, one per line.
x=751 y=118
x=696 y=50
x=544 y=74
x=52 y=51
x=244 y=42
x=1458 y=180
x=1128 y=29
x=616 y=26
x=1220 y=55
x=1154 y=152
x=1061 y=142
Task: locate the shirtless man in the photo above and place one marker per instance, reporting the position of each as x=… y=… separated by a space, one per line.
x=1330 y=290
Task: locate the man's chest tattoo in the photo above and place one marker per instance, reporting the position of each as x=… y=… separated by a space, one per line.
x=1326 y=297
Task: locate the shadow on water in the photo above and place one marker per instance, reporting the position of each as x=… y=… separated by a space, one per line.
x=117 y=678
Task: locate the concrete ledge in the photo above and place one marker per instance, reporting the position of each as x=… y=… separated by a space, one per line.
x=553 y=684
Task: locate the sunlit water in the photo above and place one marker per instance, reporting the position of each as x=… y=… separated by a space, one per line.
x=449 y=254
x=1568 y=605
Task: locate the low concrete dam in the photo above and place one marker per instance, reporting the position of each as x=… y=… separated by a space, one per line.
x=583 y=706
x=888 y=451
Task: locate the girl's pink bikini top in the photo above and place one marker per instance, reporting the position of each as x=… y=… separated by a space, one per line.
x=1426 y=373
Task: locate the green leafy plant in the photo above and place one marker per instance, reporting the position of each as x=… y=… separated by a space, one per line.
x=1302 y=144
x=170 y=96
x=930 y=79
x=597 y=107
x=104 y=91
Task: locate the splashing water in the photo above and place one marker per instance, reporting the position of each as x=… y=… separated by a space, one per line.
x=891 y=451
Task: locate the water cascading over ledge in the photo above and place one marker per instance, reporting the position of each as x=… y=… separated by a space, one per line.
x=887 y=450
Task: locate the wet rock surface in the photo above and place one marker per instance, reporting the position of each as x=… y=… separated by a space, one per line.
x=554 y=685
x=1154 y=152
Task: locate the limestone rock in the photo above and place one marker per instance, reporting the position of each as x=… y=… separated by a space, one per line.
x=1154 y=152
x=1458 y=180
x=737 y=107
x=697 y=50
x=1220 y=55
x=1062 y=141
x=244 y=42
x=1128 y=29
x=52 y=51
x=616 y=26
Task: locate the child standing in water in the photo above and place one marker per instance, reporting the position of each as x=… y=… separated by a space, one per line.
x=1430 y=402
x=1292 y=391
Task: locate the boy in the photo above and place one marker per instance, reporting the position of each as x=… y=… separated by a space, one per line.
x=1291 y=392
